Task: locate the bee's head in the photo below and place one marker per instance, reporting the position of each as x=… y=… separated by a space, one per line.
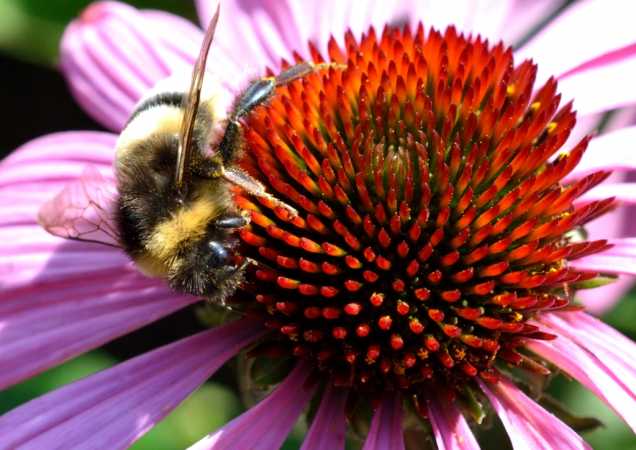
x=210 y=267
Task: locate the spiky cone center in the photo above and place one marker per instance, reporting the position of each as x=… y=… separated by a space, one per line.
x=432 y=220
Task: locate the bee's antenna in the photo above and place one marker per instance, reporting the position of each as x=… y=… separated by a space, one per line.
x=192 y=105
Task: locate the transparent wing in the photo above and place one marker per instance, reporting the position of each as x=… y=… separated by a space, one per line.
x=192 y=104
x=84 y=210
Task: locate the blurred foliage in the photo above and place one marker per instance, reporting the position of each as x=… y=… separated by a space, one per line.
x=30 y=30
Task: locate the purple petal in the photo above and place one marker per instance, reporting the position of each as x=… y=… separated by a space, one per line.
x=529 y=426
x=61 y=298
x=568 y=41
x=449 y=425
x=386 y=426
x=610 y=151
x=596 y=355
x=113 y=54
x=115 y=407
x=327 y=430
x=65 y=312
x=266 y=425
x=619 y=259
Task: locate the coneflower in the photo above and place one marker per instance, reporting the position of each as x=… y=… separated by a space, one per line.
x=434 y=222
x=431 y=270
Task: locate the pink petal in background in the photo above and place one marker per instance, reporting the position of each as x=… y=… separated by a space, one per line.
x=595 y=355
x=614 y=151
x=618 y=259
x=529 y=426
x=567 y=41
x=113 y=54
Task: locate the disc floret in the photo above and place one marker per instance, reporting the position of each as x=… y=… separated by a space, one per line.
x=433 y=218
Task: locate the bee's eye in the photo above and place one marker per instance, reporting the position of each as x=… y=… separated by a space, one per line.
x=218 y=255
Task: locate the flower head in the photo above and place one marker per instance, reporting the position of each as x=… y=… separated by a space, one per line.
x=433 y=262
x=433 y=220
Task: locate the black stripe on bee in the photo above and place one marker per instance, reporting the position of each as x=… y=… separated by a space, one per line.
x=163 y=98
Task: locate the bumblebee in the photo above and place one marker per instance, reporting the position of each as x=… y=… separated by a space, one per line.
x=174 y=213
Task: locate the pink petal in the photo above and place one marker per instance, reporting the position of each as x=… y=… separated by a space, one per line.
x=529 y=426
x=449 y=425
x=484 y=17
x=625 y=193
x=601 y=88
x=115 y=407
x=65 y=312
x=42 y=167
x=386 y=426
x=88 y=147
x=611 y=57
x=327 y=430
x=610 y=151
x=583 y=31
x=601 y=299
x=523 y=16
x=61 y=298
x=270 y=30
x=594 y=354
x=619 y=259
x=112 y=54
x=617 y=222
x=266 y=425
x=26 y=186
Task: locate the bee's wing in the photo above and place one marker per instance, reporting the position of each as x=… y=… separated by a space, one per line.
x=84 y=210
x=192 y=105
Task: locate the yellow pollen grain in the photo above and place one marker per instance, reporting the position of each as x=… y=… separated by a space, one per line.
x=459 y=354
x=517 y=317
x=511 y=89
x=535 y=106
x=551 y=127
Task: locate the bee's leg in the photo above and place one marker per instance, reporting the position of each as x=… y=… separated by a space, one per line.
x=257 y=93
x=207 y=166
x=232 y=221
x=254 y=187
